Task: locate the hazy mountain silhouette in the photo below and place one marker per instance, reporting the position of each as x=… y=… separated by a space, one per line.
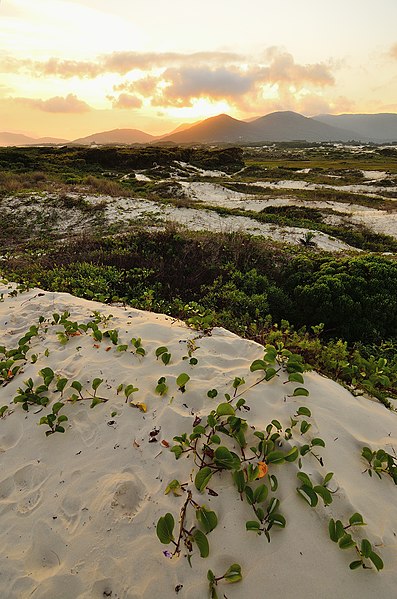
x=221 y=128
x=277 y=126
x=17 y=139
x=377 y=127
x=117 y=136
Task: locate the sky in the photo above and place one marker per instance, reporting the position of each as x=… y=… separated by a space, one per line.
x=69 y=68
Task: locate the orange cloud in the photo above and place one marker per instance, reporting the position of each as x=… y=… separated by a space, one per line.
x=126 y=101
x=68 y=104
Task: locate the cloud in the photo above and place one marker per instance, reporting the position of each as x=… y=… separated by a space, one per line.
x=192 y=82
x=126 y=101
x=178 y=80
x=68 y=104
x=282 y=68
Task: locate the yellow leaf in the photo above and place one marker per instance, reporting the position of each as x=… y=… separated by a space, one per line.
x=263 y=469
x=141 y=406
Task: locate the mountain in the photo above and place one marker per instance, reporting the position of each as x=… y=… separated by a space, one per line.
x=377 y=127
x=17 y=139
x=291 y=126
x=277 y=126
x=221 y=128
x=116 y=136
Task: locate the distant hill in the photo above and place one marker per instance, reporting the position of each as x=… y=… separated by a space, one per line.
x=17 y=139
x=291 y=126
x=116 y=136
x=221 y=128
x=278 y=126
x=377 y=127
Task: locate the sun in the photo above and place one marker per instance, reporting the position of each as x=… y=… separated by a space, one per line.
x=201 y=108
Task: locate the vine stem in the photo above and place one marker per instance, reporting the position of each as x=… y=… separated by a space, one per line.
x=182 y=522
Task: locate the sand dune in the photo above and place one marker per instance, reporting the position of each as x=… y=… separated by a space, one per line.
x=79 y=510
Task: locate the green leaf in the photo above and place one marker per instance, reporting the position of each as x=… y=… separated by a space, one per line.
x=121 y=348
x=273 y=483
x=207 y=518
x=225 y=409
x=332 y=531
x=177 y=451
x=233 y=574
x=202 y=543
x=277 y=520
x=292 y=455
x=260 y=493
x=59 y=429
x=212 y=393
x=166 y=358
x=303 y=411
x=165 y=528
x=76 y=385
x=273 y=505
x=62 y=418
x=211 y=576
x=182 y=379
x=356 y=564
x=275 y=457
x=296 y=377
x=270 y=374
x=252 y=525
x=226 y=459
x=161 y=350
x=304 y=427
x=308 y=495
x=366 y=547
x=346 y=542
x=376 y=560
x=57 y=406
x=300 y=391
x=356 y=520
x=323 y=493
x=96 y=401
x=215 y=439
x=258 y=365
x=202 y=478
x=61 y=384
x=96 y=383
x=317 y=442
x=239 y=480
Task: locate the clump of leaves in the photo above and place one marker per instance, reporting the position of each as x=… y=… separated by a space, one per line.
x=163 y=353
x=196 y=534
x=31 y=396
x=161 y=388
x=137 y=344
x=338 y=534
x=311 y=492
x=232 y=574
x=380 y=462
x=53 y=420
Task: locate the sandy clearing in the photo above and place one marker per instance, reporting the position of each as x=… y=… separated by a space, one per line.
x=79 y=510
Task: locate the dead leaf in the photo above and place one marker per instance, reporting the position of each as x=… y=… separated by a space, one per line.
x=96 y=345
x=135 y=444
x=165 y=443
x=141 y=406
x=263 y=469
x=108 y=349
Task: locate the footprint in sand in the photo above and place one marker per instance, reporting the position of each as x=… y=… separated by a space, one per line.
x=46 y=553
x=121 y=496
x=86 y=428
x=23 y=488
x=11 y=433
x=71 y=510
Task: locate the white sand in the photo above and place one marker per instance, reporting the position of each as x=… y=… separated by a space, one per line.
x=78 y=510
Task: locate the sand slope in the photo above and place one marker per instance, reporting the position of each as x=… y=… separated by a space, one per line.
x=78 y=510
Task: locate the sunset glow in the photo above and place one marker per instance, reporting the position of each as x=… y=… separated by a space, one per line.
x=71 y=67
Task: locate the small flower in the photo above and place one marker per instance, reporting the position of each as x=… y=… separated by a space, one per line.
x=167 y=554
